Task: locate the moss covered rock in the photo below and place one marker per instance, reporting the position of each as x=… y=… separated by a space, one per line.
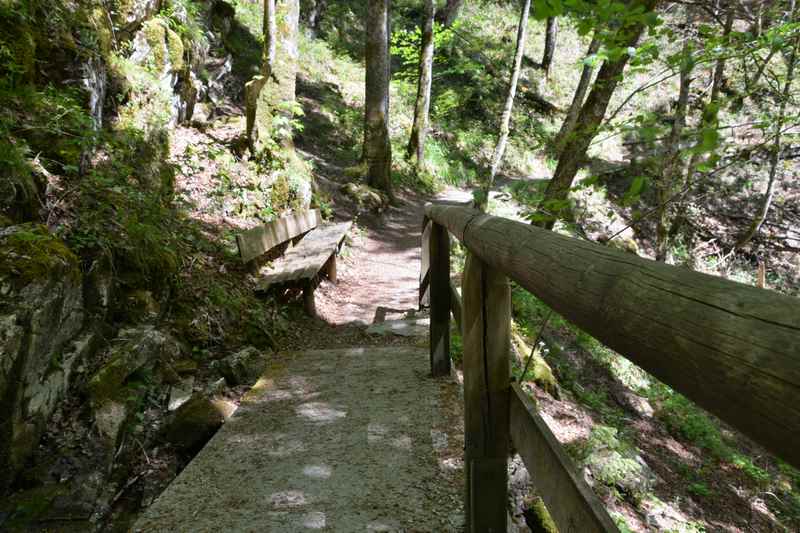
x=615 y=465
x=128 y=15
x=196 y=421
x=365 y=196
x=134 y=349
x=243 y=367
x=274 y=94
x=41 y=316
x=112 y=395
x=158 y=47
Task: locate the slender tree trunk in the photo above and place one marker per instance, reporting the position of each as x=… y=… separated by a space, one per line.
x=550 y=36
x=416 y=143
x=775 y=156
x=671 y=169
x=254 y=87
x=709 y=119
x=377 y=148
x=505 y=119
x=270 y=38
x=449 y=13
x=577 y=100
x=314 y=16
x=589 y=120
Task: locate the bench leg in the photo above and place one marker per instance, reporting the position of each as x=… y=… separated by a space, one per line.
x=331 y=269
x=309 y=304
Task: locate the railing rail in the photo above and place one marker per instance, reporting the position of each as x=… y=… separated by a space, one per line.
x=731 y=348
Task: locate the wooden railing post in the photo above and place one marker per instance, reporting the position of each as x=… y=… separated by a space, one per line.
x=439 y=258
x=487 y=342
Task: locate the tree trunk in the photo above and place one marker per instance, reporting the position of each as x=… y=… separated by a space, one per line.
x=270 y=38
x=709 y=119
x=550 y=35
x=671 y=169
x=505 y=119
x=775 y=156
x=577 y=100
x=589 y=120
x=416 y=143
x=259 y=108
x=449 y=13
x=314 y=16
x=377 y=149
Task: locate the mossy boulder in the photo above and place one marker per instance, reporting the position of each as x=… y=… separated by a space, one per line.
x=365 y=196
x=615 y=465
x=161 y=55
x=538 y=370
x=158 y=47
x=128 y=15
x=196 y=421
x=135 y=348
x=112 y=392
x=243 y=367
x=41 y=317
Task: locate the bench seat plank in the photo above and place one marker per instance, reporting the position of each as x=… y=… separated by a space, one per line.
x=260 y=239
x=306 y=259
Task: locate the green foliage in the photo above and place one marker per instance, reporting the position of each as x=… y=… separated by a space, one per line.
x=406 y=45
x=690 y=422
x=699 y=489
x=456 y=346
x=115 y=215
x=183 y=17
x=51 y=123
x=32 y=253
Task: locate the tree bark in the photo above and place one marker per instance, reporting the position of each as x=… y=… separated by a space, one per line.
x=270 y=38
x=449 y=13
x=775 y=156
x=505 y=119
x=589 y=120
x=416 y=143
x=550 y=36
x=577 y=100
x=377 y=148
x=709 y=119
x=254 y=87
x=671 y=169
x=314 y=16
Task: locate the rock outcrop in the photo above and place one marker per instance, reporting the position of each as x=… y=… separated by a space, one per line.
x=112 y=392
x=196 y=421
x=41 y=316
x=242 y=368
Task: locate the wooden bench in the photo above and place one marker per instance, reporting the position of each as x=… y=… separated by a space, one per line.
x=315 y=250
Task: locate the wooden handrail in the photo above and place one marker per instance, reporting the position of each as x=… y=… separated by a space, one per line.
x=731 y=348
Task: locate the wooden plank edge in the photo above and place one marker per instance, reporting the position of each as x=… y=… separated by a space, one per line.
x=455 y=306
x=569 y=499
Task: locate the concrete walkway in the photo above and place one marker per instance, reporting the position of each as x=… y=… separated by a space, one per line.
x=343 y=440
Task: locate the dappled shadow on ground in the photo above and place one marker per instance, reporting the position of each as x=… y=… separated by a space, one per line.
x=733 y=502
x=324 y=134
x=348 y=440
